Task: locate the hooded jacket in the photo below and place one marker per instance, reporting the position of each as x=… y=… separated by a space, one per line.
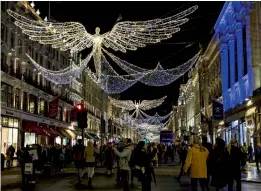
x=125 y=157
x=197 y=161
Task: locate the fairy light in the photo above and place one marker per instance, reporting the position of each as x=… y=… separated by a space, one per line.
x=126 y=35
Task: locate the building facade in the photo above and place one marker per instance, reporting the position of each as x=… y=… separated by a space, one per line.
x=25 y=94
x=238 y=33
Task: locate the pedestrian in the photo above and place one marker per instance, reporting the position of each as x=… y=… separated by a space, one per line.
x=89 y=154
x=155 y=159
x=120 y=147
x=209 y=146
x=109 y=153
x=78 y=158
x=250 y=153
x=183 y=155
x=125 y=157
x=236 y=161
x=160 y=153
x=144 y=169
x=197 y=161
x=219 y=163
x=61 y=160
x=18 y=154
x=258 y=155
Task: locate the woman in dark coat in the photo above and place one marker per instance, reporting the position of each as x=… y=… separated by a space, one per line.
x=219 y=161
x=109 y=153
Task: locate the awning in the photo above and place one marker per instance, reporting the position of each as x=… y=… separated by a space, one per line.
x=32 y=127
x=55 y=132
x=71 y=133
x=95 y=137
x=62 y=131
x=88 y=136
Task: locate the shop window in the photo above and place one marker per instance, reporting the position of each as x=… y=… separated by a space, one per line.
x=42 y=107
x=9 y=137
x=29 y=138
x=6 y=95
x=17 y=98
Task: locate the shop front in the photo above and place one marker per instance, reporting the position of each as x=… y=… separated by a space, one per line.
x=9 y=133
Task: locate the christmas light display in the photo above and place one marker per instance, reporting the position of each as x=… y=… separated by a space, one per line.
x=143 y=105
x=126 y=35
x=63 y=76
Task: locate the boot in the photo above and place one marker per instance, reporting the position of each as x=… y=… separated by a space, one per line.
x=90 y=183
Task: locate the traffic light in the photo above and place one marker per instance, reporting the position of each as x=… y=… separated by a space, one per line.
x=81 y=116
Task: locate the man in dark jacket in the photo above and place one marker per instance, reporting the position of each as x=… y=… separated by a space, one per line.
x=236 y=160
x=78 y=157
x=250 y=153
x=209 y=146
x=183 y=155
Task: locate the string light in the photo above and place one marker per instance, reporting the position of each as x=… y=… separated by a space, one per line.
x=127 y=35
x=63 y=76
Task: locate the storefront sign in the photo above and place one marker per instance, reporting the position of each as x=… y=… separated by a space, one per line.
x=217 y=110
x=28 y=168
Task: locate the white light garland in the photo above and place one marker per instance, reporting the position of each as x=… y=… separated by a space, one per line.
x=126 y=35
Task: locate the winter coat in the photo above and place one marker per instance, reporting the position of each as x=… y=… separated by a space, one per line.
x=236 y=160
x=125 y=156
x=197 y=161
x=219 y=163
x=89 y=154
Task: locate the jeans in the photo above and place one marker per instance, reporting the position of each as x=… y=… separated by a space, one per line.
x=80 y=173
x=231 y=183
x=202 y=182
x=257 y=162
x=125 y=180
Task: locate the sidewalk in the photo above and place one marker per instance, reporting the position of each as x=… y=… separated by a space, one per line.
x=251 y=175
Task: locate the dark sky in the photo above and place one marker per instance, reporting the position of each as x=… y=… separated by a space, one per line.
x=171 y=53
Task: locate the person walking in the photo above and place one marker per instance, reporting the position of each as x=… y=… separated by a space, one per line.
x=78 y=158
x=250 y=153
x=183 y=155
x=236 y=161
x=196 y=160
x=109 y=153
x=219 y=159
x=125 y=157
x=209 y=146
x=89 y=154
x=258 y=156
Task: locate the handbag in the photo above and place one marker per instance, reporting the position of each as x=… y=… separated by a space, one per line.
x=185 y=180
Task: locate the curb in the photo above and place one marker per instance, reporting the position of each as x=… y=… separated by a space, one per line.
x=251 y=181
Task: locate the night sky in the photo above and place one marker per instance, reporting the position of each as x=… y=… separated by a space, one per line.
x=170 y=53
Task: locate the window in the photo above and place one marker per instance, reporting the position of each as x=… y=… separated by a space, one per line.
x=32 y=104
x=49 y=65
x=3 y=7
x=59 y=115
x=6 y=32
x=41 y=60
x=3 y=60
x=2 y=32
x=42 y=107
x=17 y=98
x=245 y=49
x=36 y=57
x=20 y=46
x=6 y=95
x=65 y=115
x=25 y=103
x=12 y=40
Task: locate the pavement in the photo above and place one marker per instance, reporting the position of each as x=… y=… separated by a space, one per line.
x=11 y=179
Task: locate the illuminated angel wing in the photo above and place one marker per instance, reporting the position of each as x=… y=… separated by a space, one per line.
x=149 y=104
x=127 y=105
x=129 y=35
x=64 y=36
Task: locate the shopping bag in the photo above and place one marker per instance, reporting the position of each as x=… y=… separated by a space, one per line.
x=185 y=180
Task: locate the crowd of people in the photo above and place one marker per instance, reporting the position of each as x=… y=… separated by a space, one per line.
x=223 y=163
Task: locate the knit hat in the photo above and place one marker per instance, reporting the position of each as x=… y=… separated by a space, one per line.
x=196 y=140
